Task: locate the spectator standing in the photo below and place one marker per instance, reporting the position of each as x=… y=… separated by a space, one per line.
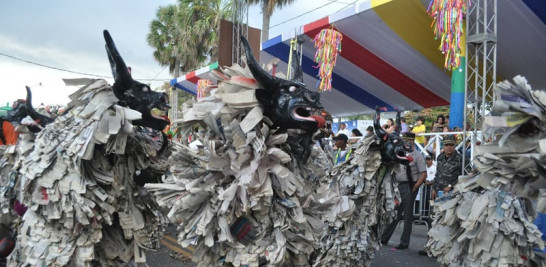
x=389 y=127
x=404 y=126
x=355 y=133
x=431 y=170
x=418 y=129
x=342 y=151
x=449 y=165
x=8 y=135
x=343 y=130
x=431 y=174
x=438 y=125
x=369 y=132
x=409 y=178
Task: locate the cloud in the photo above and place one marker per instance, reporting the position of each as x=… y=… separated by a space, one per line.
x=68 y=35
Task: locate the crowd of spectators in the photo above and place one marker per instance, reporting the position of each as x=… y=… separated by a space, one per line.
x=430 y=174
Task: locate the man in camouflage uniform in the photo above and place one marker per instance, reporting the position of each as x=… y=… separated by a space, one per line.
x=449 y=166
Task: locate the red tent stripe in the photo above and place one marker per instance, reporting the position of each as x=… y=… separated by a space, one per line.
x=369 y=62
x=318 y=24
x=192 y=77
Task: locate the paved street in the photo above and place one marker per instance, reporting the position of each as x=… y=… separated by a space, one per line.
x=172 y=255
x=388 y=255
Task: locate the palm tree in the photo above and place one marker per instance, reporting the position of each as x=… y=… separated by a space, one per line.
x=164 y=36
x=268 y=6
x=202 y=20
x=185 y=35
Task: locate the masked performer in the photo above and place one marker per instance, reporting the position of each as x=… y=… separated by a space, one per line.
x=488 y=220
x=84 y=206
x=247 y=196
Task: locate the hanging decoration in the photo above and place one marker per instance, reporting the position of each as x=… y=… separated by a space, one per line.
x=202 y=85
x=448 y=24
x=328 y=44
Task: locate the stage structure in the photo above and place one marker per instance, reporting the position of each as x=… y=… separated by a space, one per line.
x=240 y=28
x=481 y=66
x=239 y=21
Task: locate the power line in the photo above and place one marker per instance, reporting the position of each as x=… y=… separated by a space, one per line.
x=76 y=72
x=159 y=72
x=301 y=15
x=348 y=4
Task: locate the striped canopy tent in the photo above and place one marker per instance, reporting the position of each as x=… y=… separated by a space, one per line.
x=188 y=81
x=389 y=56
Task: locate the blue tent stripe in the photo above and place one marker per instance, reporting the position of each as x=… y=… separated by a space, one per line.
x=538 y=7
x=272 y=42
x=282 y=50
x=173 y=82
x=183 y=88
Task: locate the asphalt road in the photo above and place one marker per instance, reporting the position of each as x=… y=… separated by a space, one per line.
x=171 y=254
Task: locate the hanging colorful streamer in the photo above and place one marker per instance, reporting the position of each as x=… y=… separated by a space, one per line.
x=448 y=24
x=202 y=85
x=328 y=44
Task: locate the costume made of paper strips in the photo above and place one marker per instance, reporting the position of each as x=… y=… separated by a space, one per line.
x=239 y=197
x=77 y=178
x=488 y=219
x=248 y=194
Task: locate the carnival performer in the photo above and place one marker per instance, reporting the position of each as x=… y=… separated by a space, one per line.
x=239 y=200
x=84 y=206
x=487 y=220
x=11 y=208
x=361 y=196
x=8 y=136
x=259 y=192
x=409 y=178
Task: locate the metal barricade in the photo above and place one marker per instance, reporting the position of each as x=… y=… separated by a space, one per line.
x=422 y=210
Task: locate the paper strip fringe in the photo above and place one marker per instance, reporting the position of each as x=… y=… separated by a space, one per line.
x=202 y=84
x=448 y=24
x=328 y=44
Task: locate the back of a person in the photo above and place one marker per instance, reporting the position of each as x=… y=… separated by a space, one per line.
x=8 y=136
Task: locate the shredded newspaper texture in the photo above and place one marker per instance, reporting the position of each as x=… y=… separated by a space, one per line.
x=488 y=221
x=76 y=179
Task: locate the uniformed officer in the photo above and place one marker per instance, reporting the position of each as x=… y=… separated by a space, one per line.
x=449 y=165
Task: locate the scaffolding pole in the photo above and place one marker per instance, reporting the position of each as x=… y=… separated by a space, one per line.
x=481 y=67
x=240 y=28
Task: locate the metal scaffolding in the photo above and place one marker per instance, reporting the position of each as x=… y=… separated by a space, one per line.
x=481 y=66
x=174 y=107
x=240 y=28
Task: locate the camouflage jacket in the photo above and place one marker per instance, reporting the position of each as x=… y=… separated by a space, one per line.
x=448 y=170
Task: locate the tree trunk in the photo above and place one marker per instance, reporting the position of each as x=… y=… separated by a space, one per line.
x=265 y=23
x=174 y=96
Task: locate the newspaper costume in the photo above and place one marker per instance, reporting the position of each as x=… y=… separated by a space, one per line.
x=10 y=162
x=361 y=194
x=84 y=207
x=362 y=197
x=488 y=220
x=249 y=192
x=239 y=196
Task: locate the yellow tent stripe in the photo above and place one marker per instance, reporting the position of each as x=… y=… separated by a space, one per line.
x=376 y=3
x=409 y=19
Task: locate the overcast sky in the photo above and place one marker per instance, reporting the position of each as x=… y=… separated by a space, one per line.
x=67 y=34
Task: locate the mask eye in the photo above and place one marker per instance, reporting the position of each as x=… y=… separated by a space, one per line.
x=292 y=89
